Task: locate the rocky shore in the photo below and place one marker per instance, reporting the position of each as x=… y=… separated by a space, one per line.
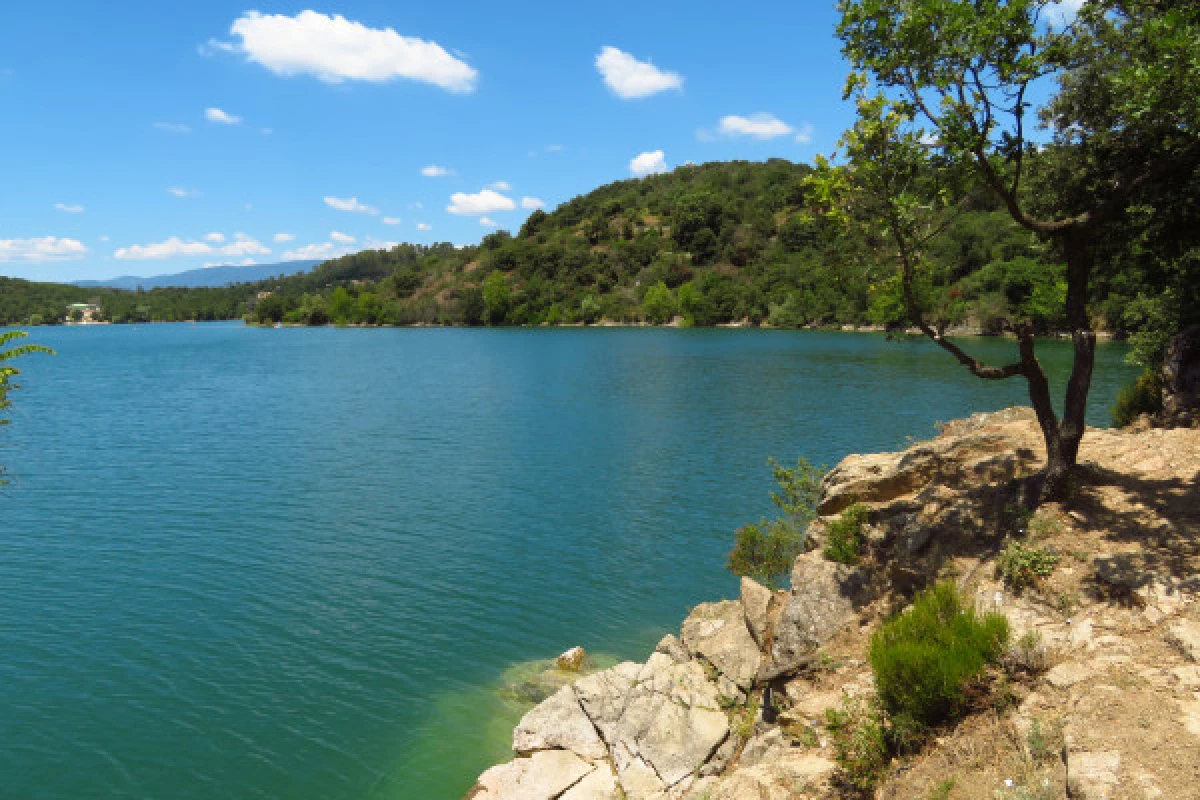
x=1107 y=706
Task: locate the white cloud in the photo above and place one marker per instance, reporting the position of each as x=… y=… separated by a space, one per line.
x=392 y=220
x=804 y=133
x=488 y=222
x=222 y=117
x=243 y=245
x=169 y=249
x=69 y=208
x=104 y=238
x=266 y=131
x=215 y=238
x=501 y=186
x=316 y=251
x=341 y=238
x=421 y=226
x=435 y=171
x=41 y=249
x=350 y=204
x=555 y=148
x=648 y=163
x=179 y=191
x=484 y=202
x=416 y=206
x=283 y=238
x=532 y=202
x=245 y=262
x=173 y=127
x=760 y=126
x=630 y=78
x=336 y=49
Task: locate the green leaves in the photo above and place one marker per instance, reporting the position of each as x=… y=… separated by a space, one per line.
x=7 y=371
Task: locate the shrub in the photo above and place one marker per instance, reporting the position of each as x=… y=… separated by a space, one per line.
x=844 y=536
x=766 y=551
x=925 y=658
x=1020 y=566
x=1143 y=396
x=859 y=743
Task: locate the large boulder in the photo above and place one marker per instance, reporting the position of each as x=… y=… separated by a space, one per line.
x=1181 y=375
x=558 y=722
x=986 y=448
x=825 y=599
x=756 y=605
x=604 y=695
x=717 y=633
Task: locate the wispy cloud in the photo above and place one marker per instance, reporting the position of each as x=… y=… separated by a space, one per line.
x=488 y=222
x=214 y=238
x=69 y=208
x=424 y=226
x=500 y=186
x=173 y=127
x=436 y=171
x=532 y=202
x=630 y=79
x=391 y=220
x=179 y=191
x=350 y=204
x=342 y=238
x=335 y=49
x=283 y=238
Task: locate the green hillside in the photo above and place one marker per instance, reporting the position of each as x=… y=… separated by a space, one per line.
x=710 y=244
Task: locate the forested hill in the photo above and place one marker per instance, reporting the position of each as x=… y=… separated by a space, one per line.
x=710 y=244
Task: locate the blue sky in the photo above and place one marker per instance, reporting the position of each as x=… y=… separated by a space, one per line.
x=145 y=137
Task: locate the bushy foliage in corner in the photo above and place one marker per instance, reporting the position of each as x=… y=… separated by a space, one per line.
x=844 y=536
x=765 y=551
x=1143 y=396
x=925 y=658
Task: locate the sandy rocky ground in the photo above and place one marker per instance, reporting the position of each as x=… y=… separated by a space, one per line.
x=1107 y=707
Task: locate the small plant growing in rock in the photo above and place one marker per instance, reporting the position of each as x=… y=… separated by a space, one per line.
x=1029 y=653
x=859 y=743
x=925 y=658
x=1021 y=567
x=766 y=551
x=844 y=536
x=942 y=790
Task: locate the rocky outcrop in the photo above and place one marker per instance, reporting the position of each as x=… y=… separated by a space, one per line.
x=1106 y=702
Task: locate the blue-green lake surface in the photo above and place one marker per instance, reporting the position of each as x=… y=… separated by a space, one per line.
x=296 y=563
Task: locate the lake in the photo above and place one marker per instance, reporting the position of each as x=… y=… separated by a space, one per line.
x=296 y=563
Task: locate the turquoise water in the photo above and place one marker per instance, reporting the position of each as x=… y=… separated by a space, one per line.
x=296 y=563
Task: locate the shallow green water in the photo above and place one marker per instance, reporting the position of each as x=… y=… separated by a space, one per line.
x=297 y=563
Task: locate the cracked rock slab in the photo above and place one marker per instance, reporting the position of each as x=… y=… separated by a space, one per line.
x=672 y=723
x=546 y=775
x=558 y=722
x=1093 y=775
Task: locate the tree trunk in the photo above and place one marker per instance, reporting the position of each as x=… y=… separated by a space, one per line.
x=1062 y=439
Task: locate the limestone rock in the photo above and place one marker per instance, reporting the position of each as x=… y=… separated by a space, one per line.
x=572 y=660
x=671 y=646
x=1067 y=675
x=603 y=696
x=559 y=723
x=764 y=748
x=718 y=633
x=756 y=605
x=672 y=723
x=825 y=597
x=1185 y=634
x=600 y=784
x=1092 y=775
x=543 y=776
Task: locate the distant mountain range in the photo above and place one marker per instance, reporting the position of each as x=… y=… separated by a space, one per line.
x=206 y=276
